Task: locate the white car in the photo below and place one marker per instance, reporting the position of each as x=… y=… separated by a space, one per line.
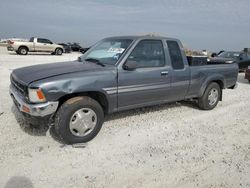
x=34 y=45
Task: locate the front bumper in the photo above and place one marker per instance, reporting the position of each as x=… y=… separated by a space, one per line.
x=38 y=110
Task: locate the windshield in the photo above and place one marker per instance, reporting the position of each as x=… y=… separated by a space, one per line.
x=107 y=51
x=233 y=55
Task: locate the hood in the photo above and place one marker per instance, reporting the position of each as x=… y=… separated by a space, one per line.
x=26 y=75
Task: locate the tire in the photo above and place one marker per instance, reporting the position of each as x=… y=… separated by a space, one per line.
x=17 y=52
x=70 y=114
x=209 y=100
x=22 y=50
x=58 y=51
x=249 y=81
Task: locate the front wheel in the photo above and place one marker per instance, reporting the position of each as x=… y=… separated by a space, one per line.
x=58 y=51
x=79 y=119
x=211 y=97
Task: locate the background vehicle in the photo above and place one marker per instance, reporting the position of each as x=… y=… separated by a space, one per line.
x=247 y=74
x=75 y=47
x=66 y=47
x=242 y=58
x=84 y=50
x=34 y=45
x=118 y=73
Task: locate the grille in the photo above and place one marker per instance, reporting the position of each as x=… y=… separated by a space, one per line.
x=19 y=87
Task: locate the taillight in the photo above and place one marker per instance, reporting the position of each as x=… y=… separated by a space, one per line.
x=11 y=42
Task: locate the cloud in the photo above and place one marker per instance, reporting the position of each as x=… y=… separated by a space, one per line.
x=221 y=24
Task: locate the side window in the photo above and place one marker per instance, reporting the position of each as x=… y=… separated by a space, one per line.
x=48 y=41
x=148 y=53
x=40 y=40
x=43 y=41
x=175 y=55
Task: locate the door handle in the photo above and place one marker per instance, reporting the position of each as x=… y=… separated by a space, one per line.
x=164 y=73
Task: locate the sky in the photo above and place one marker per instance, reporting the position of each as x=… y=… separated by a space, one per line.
x=200 y=24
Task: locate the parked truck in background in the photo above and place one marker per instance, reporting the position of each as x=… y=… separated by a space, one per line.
x=118 y=73
x=34 y=45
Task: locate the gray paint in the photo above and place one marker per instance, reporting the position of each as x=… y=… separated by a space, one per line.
x=127 y=89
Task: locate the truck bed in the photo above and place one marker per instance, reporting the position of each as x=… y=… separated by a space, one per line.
x=202 y=74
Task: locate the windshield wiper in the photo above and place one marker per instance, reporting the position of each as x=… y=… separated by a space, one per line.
x=93 y=60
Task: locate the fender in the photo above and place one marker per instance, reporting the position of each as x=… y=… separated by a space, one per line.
x=213 y=78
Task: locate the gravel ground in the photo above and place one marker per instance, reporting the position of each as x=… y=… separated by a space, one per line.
x=172 y=145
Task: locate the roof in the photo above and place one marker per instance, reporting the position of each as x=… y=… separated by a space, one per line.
x=136 y=37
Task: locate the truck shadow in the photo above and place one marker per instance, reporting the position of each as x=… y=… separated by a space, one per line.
x=145 y=110
x=34 y=130
x=41 y=129
x=19 y=181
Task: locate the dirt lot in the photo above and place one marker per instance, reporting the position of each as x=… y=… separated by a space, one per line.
x=173 y=145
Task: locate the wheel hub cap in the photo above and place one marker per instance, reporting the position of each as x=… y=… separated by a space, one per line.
x=23 y=51
x=83 y=122
x=213 y=96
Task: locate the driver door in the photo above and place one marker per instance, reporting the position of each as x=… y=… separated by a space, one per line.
x=149 y=82
x=44 y=45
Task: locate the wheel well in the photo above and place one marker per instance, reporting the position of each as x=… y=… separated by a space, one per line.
x=23 y=47
x=58 y=48
x=221 y=84
x=98 y=96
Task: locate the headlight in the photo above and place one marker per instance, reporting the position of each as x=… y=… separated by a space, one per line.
x=36 y=95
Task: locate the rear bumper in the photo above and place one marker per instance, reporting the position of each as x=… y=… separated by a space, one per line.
x=37 y=110
x=9 y=48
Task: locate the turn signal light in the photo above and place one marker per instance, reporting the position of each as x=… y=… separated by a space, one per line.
x=40 y=94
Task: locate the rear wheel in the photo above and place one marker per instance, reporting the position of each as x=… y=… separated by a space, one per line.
x=211 y=97
x=249 y=81
x=79 y=119
x=23 y=51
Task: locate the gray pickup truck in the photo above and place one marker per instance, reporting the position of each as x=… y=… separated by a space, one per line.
x=117 y=73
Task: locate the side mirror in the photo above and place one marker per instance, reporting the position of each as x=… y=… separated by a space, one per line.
x=130 y=65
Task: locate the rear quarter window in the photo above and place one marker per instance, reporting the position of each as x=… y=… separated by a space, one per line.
x=175 y=55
